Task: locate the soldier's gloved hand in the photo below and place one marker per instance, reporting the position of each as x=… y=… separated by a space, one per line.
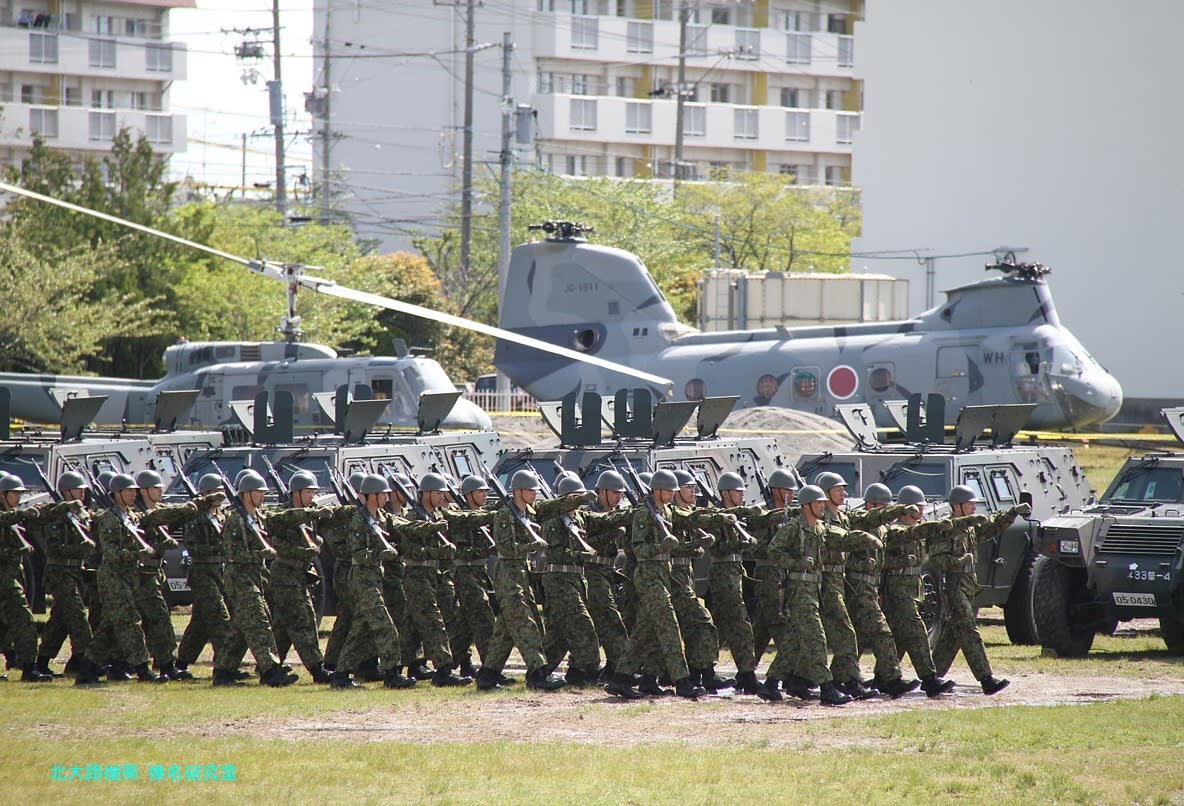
x=265 y=554
x=325 y=514
x=389 y=554
x=30 y=515
x=210 y=500
x=445 y=551
x=1023 y=510
x=966 y=561
x=166 y=543
x=668 y=544
x=871 y=541
x=538 y=545
x=808 y=564
x=145 y=555
x=705 y=541
x=589 y=496
x=912 y=510
x=755 y=510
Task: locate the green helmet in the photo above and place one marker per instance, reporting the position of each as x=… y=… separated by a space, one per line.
x=148 y=478
x=810 y=493
x=685 y=479
x=664 y=480
x=783 y=478
x=303 y=481
x=249 y=481
x=433 y=483
x=404 y=481
x=568 y=485
x=471 y=484
x=828 y=480
x=12 y=484
x=611 y=480
x=355 y=479
x=877 y=494
x=104 y=479
x=524 y=480
x=373 y=483
x=71 y=480
x=646 y=477
x=208 y=483
x=910 y=495
x=962 y=495
x=118 y=483
x=730 y=481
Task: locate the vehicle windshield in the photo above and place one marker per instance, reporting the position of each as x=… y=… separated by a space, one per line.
x=21 y=465
x=1164 y=485
x=929 y=476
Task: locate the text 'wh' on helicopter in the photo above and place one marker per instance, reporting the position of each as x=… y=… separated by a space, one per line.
x=996 y=341
x=224 y=372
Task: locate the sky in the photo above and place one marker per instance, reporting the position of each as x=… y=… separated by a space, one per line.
x=221 y=107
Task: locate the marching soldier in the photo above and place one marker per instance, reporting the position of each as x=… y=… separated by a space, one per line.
x=474 y=544
x=67 y=547
x=954 y=555
x=769 y=622
x=14 y=609
x=604 y=535
x=726 y=581
x=565 y=608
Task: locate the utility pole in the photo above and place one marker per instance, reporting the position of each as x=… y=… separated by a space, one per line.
x=503 y=210
x=466 y=182
x=276 y=96
x=243 y=185
x=326 y=123
x=684 y=18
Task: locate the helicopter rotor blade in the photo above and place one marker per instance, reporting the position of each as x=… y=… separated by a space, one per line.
x=286 y=273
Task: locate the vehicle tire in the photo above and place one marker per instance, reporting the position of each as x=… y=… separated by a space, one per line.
x=1172 y=630
x=1017 y=612
x=1055 y=587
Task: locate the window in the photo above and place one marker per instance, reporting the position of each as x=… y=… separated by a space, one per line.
x=881 y=377
x=721 y=15
x=104 y=25
x=576 y=165
x=797 y=21
x=102 y=99
x=638 y=117
x=663 y=9
x=836 y=23
x=836 y=175
x=972 y=480
x=834 y=99
x=158 y=58
x=797 y=48
x=102 y=126
x=746 y=123
x=73 y=96
x=790 y=171
x=624 y=167
x=791 y=96
x=32 y=94
x=44 y=121
x=696 y=40
x=639 y=37
x=583 y=114
x=546 y=82
x=951 y=361
x=585 y=32
x=138 y=100
x=846 y=51
x=626 y=87
x=748 y=43
x=845 y=128
x=102 y=53
x=797 y=127
x=43 y=48
x=460 y=461
x=579 y=84
x=138 y=28
x=1001 y=486
x=694 y=120
x=159 y=128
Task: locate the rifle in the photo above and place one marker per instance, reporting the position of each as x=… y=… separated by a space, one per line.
x=633 y=499
x=280 y=490
x=108 y=502
x=412 y=500
x=249 y=522
x=716 y=501
x=647 y=496
x=461 y=502
x=347 y=494
x=71 y=518
x=762 y=483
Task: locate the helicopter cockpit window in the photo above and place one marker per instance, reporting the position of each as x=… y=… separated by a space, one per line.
x=381 y=388
x=224 y=352
x=300 y=398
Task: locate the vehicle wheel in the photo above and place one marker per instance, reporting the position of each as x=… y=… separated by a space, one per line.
x=1172 y=630
x=1054 y=588
x=1017 y=613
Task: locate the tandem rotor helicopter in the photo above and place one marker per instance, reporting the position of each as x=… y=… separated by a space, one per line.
x=996 y=341
x=225 y=372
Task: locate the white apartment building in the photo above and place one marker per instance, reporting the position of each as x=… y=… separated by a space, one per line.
x=770 y=86
x=78 y=72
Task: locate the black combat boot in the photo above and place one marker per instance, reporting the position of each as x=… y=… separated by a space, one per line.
x=394 y=679
x=770 y=690
x=72 y=665
x=857 y=690
x=992 y=685
x=830 y=694
x=146 y=675
x=445 y=677
x=277 y=677
x=175 y=671
x=320 y=674
x=934 y=686
x=746 y=682
x=621 y=686
x=713 y=682
x=119 y=672
x=343 y=680
x=29 y=674
x=606 y=674
x=487 y=679
x=242 y=674
x=42 y=665
x=685 y=688
x=899 y=687
x=504 y=679
x=543 y=680
x=368 y=671
x=801 y=688
x=88 y=673
x=419 y=669
x=649 y=686
x=226 y=677
x=466 y=669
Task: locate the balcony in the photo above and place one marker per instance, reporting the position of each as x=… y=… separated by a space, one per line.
x=631 y=41
x=78 y=128
x=610 y=119
x=24 y=50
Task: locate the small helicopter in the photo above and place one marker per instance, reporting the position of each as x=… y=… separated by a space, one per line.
x=996 y=341
x=226 y=372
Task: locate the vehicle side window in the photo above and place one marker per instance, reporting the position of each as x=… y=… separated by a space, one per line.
x=974 y=481
x=1002 y=486
x=460 y=460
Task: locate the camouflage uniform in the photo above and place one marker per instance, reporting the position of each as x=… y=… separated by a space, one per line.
x=296 y=543
x=836 y=619
x=699 y=634
x=565 y=608
x=863 y=598
x=421 y=551
x=158 y=623
x=469 y=532
x=372 y=631
x=768 y=622
x=209 y=621
x=336 y=541
x=656 y=621
x=603 y=535
x=118 y=578
x=243 y=582
x=797 y=548
x=954 y=555
x=15 y=615
x=725 y=584
x=66 y=581
x=903 y=556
